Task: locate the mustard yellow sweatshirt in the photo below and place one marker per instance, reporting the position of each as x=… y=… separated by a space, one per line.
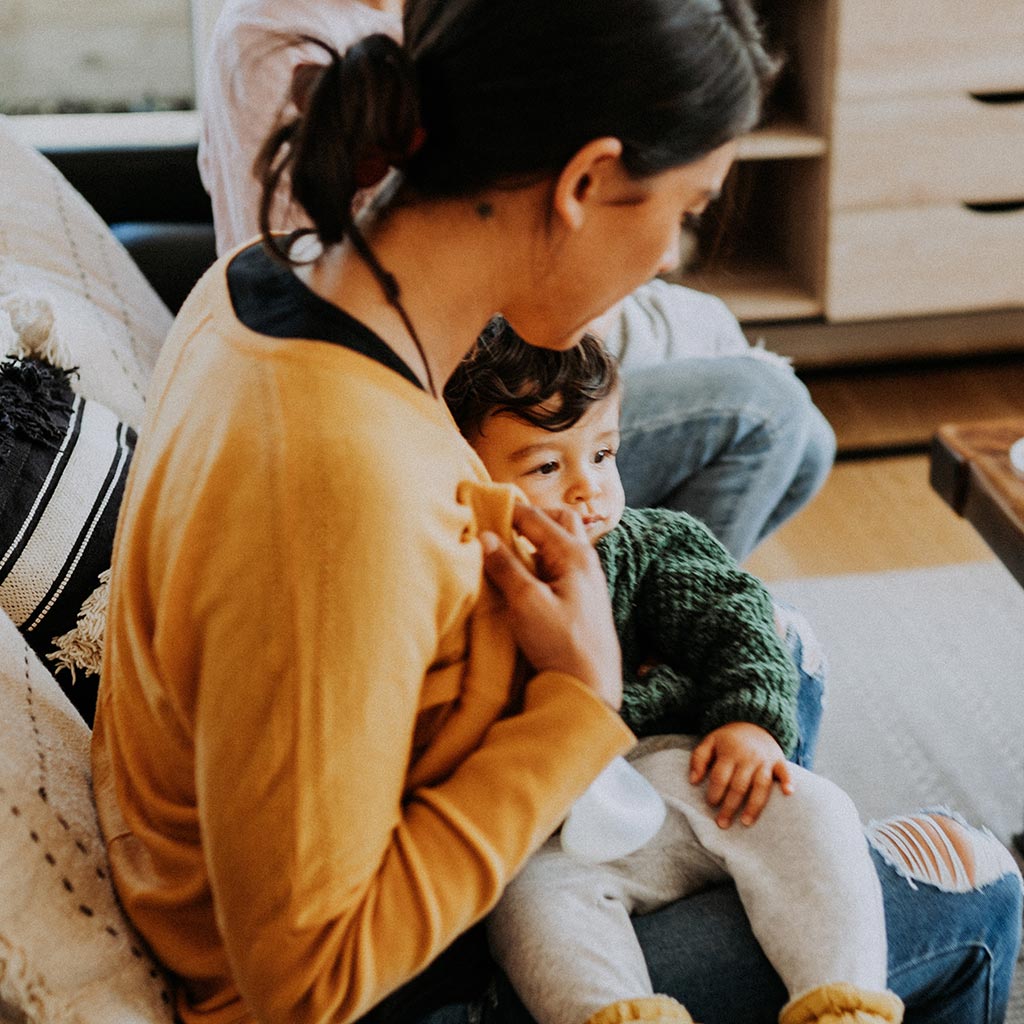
x=313 y=764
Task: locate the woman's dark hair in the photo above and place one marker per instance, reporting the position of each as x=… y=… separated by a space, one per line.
x=548 y=388
x=358 y=114
x=488 y=93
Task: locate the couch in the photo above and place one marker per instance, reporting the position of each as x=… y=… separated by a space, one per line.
x=155 y=204
x=81 y=325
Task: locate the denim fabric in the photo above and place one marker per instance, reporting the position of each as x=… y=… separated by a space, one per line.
x=733 y=440
x=811 y=668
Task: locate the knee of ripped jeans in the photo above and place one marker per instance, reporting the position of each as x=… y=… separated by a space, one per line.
x=939 y=848
x=799 y=636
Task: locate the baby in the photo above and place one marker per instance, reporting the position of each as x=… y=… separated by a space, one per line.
x=711 y=691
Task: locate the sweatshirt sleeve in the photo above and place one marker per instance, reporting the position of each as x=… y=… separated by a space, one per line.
x=711 y=626
x=332 y=883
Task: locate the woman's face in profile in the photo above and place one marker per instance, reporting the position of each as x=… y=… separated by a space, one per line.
x=626 y=239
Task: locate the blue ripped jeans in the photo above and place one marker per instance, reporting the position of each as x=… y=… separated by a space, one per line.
x=735 y=441
x=810 y=664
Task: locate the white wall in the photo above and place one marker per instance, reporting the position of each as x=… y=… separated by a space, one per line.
x=105 y=51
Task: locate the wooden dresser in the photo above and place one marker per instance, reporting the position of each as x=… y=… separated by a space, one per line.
x=888 y=182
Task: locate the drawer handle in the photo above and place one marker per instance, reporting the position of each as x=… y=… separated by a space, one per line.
x=1007 y=206
x=999 y=98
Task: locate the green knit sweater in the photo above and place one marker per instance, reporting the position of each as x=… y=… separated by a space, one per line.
x=682 y=603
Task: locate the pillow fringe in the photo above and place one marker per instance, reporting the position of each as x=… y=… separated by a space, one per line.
x=35 y=402
x=34 y=330
x=82 y=647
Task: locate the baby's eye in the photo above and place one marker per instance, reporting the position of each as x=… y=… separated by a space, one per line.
x=604 y=453
x=544 y=469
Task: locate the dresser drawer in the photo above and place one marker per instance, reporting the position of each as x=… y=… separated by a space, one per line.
x=885 y=47
x=920 y=260
x=927 y=149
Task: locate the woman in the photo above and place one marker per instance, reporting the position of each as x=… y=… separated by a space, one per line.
x=318 y=757
x=737 y=442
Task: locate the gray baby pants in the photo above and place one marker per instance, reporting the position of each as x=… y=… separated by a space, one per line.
x=562 y=931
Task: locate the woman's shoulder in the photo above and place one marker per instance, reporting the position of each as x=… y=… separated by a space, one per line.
x=302 y=402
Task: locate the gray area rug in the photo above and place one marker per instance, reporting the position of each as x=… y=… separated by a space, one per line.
x=925 y=702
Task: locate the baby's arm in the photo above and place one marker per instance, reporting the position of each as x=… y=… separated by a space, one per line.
x=741 y=761
x=712 y=626
x=706 y=658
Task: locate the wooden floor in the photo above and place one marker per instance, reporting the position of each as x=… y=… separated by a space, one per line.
x=901 y=405
x=871 y=515
x=878 y=511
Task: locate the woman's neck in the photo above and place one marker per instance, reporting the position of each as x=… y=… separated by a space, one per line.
x=450 y=263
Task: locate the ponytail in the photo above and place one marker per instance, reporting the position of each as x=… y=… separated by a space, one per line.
x=358 y=115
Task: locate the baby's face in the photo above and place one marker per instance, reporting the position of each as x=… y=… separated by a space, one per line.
x=572 y=469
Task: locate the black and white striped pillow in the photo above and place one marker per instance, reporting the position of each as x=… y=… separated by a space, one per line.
x=63 y=463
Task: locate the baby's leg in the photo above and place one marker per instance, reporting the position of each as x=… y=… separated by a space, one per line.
x=803 y=872
x=562 y=931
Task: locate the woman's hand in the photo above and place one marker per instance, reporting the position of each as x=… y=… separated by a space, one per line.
x=561 y=615
x=743 y=760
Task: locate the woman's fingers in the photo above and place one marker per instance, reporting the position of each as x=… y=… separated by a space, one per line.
x=558 y=537
x=560 y=613
x=538 y=524
x=570 y=521
x=506 y=571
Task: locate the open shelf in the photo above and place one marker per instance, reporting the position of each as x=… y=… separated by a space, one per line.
x=755 y=291
x=757 y=247
x=761 y=248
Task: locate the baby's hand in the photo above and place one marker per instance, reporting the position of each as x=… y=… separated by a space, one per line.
x=744 y=760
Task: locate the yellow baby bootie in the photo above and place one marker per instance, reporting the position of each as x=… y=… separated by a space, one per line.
x=843 y=1004
x=649 y=1010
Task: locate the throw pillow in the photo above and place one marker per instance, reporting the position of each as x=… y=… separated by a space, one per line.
x=58 y=254
x=63 y=463
x=67 y=952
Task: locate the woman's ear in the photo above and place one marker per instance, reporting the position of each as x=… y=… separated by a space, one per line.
x=584 y=178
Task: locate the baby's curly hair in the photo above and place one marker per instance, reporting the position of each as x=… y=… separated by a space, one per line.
x=550 y=389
